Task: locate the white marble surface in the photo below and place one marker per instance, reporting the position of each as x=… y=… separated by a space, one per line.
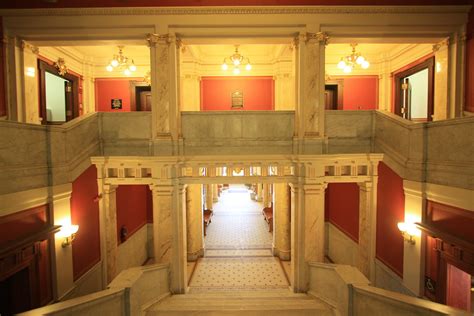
x=133 y=252
x=341 y=248
x=194 y=222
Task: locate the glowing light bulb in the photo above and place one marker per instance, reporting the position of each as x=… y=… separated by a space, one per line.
x=360 y=60
x=248 y=67
x=347 y=69
x=365 y=64
x=127 y=72
x=236 y=62
x=114 y=63
x=236 y=71
x=225 y=66
x=402 y=226
x=109 y=68
x=341 y=64
x=132 y=67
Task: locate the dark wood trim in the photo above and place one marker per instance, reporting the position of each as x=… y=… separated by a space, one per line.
x=398 y=78
x=446 y=237
x=72 y=99
x=28 y=240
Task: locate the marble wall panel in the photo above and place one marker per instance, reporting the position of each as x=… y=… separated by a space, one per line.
x=133 y=252
x=341 y=248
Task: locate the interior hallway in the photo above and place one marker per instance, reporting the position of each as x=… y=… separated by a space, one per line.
x=238 y=245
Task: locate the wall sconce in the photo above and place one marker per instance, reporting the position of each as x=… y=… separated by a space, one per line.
x=409 y=231
x=68 y=232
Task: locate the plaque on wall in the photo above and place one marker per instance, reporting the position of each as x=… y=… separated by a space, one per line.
x=116 y=104
x=237 y=99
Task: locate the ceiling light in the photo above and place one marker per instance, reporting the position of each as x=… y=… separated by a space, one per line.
x=348 y=63
x=235 y=61
x=121 y=63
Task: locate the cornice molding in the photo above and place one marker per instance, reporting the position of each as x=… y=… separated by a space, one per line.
x=237 y=10
x=25 y=45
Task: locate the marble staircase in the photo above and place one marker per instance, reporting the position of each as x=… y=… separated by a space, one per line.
x=250 y=303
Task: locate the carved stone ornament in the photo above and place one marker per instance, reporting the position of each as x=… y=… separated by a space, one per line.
x=154 y=39
x=321 y=37
x=26 y=45
x=61 y=66
x=437 y=46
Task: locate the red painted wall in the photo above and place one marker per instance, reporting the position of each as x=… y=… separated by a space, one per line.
x=458 y=288
x=85 y=213
x=470 y=63
x=23 y=223
x=162 y=3
x=3 y=102
x=108 y=89
x=361 y=93
x=132 y=208
x=216 y=93
x=342 y=208
x=390 y=211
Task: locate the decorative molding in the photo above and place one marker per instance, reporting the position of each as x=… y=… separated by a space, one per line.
x=437 y=46
x=154 y=39
x=25 y=45
x=237 y=10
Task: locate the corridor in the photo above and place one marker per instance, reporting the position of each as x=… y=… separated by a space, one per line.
x=238 y=253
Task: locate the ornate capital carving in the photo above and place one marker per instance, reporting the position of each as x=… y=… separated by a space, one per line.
x=320 y=37
x=157 y=39
x=437 y=46
x=25 y=45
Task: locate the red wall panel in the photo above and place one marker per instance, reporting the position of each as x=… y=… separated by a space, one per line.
x=361 y=93
x=132 y=208
x=216 y=93
x=390 y=211
x=162 y=3
x=85 y=213
x=108 y=89
x=22 y=224
x=342 y=205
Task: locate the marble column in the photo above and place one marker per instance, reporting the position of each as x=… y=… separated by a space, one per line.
x=266 y=195
x=108 y=209
x=195 y=243
x=281 y=221
x=209 y=200
x=259 y=192
x=309 y=118
x=307 y=231
x=169 y=232
x=215 y=197
x=164 y=53
x=367 y=212
x=441 y=53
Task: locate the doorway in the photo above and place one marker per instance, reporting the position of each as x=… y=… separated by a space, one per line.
x=414 y=90
x=140 y=96
x=333 y=95
x=58 y=95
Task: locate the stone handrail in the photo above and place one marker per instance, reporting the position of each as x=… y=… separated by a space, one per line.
x=130 y=293
x=369 y=300
x=348 y=290
x=107 y=302
x=437 y=152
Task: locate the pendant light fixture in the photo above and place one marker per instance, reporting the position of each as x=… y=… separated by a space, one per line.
x=348 y=63
x=122 y=63
x=236 y=61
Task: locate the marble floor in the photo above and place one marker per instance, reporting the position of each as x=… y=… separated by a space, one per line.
x=238 y=252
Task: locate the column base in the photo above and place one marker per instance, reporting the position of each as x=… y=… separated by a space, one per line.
x=193 y=256
x=284 y=255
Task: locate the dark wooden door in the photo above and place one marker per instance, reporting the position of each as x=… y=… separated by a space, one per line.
x=145 y=101
x=330 y=100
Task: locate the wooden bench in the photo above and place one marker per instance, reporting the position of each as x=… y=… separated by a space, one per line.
x=268 y=216
x=206 y=217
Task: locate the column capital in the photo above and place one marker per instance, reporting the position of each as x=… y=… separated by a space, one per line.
x=158 y=39
x=316 y=188
x=110 y=188
x=25 y=45
x=366 y=186
x=439 y=45
x=320 y=37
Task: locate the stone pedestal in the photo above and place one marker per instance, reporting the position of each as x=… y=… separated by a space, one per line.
x=195 y=243
x=281 y=221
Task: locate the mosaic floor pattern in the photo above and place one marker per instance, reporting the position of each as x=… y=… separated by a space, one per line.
x=238 y=252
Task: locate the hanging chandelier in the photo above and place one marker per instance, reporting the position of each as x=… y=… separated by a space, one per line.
x=348 y=63
x=121 y=63
x=236 y=61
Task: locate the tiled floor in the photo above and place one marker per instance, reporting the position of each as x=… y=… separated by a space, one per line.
x=238 y=248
